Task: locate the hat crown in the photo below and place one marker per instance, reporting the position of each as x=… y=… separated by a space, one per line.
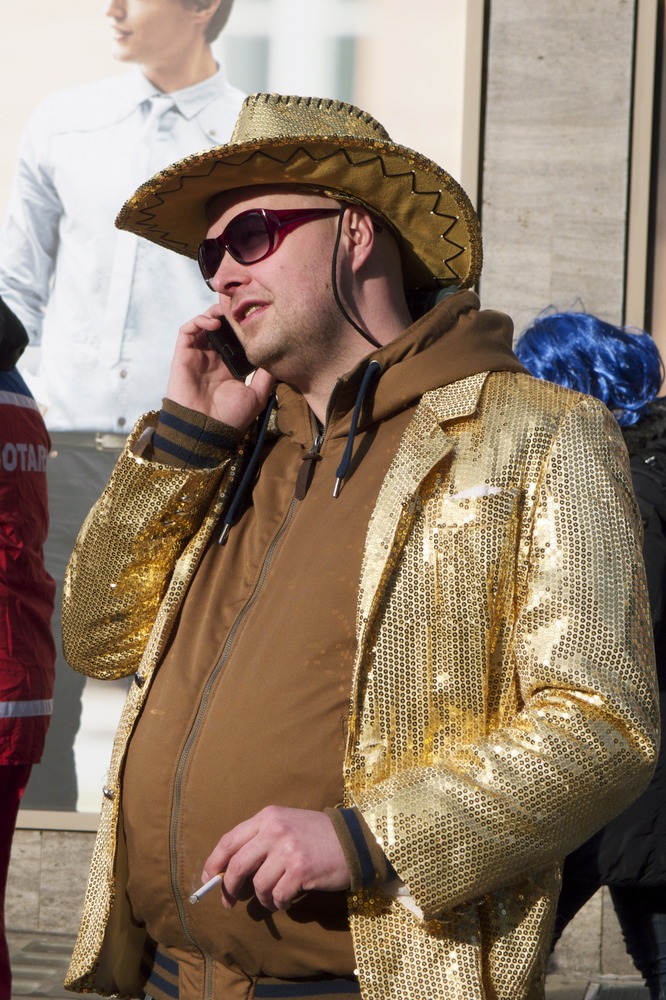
x=330 y=146
x=275 y=116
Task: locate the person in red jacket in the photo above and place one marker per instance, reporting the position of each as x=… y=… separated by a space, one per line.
x=27 y=650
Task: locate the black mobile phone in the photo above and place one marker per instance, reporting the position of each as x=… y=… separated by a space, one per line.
x=227 y=345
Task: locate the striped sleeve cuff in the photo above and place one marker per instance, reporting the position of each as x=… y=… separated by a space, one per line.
x=366 y=861
x=187 y=439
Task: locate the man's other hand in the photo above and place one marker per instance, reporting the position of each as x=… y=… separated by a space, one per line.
x=285 y=852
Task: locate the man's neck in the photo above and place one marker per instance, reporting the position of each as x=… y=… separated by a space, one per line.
x=169 y=77
x=318 y=388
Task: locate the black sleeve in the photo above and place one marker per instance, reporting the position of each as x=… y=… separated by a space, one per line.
x=650 y=488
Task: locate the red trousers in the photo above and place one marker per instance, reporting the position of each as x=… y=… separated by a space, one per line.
x=13 y=779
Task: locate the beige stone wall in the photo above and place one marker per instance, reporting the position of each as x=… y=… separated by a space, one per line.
x=47 y=880
x=556 y=165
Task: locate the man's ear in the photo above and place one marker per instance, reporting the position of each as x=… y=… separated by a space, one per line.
x=360 y=234
x=203 y=10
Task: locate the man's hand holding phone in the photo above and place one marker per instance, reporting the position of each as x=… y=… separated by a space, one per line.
x=202 y=381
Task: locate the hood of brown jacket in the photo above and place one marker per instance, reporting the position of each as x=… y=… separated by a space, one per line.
x=452 y=341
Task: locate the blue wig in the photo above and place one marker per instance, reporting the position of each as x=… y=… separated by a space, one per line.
x=621 y=368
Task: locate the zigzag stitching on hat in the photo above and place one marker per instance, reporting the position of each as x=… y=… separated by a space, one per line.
x=352 y=163
x=414 y=190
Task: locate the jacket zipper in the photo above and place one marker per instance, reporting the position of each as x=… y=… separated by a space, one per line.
x=195 y=731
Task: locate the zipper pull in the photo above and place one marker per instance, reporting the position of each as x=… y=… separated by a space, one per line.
x=306 y=470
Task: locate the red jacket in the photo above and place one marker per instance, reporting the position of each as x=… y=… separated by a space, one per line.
x=27 y=651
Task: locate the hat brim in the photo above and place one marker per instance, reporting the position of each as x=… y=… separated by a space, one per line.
x=437 y=228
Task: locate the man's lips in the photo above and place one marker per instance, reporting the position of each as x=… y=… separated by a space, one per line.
x=246 y=310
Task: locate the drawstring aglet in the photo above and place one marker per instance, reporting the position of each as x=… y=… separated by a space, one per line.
x=372 y=372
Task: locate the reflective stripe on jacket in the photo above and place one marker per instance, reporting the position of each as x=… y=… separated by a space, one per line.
x=27 y=651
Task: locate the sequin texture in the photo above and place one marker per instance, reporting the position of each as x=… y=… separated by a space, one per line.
x=503 y=704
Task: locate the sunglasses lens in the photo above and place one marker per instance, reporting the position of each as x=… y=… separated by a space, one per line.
x=209 y=256
x=247 y=237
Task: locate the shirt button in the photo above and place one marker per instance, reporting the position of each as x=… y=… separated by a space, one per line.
x=121 y=421
x=123 y=373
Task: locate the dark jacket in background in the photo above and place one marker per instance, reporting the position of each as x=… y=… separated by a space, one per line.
x=631 y=849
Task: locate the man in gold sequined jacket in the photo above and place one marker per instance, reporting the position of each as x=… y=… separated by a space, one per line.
x=383 y=603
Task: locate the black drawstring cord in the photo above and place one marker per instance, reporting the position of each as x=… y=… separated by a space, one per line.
x=234 y=510
x=334 y=282
x=372 y=372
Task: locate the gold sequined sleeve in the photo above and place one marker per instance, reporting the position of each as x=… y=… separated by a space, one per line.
x=125 y=556
x=568 y=721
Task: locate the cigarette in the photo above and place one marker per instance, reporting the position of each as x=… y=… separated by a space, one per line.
x=206 y=888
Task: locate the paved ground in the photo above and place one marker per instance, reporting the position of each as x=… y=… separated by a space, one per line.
x=576 y=986
x=39 y=962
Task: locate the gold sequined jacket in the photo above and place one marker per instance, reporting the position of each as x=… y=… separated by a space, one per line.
x=502 y=557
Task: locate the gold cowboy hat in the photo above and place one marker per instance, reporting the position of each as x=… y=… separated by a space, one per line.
x=333 y=147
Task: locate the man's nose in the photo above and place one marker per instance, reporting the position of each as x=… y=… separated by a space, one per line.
x=115 y=9
x=229 y=276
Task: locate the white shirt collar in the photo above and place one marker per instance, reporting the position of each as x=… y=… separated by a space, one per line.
x=190 y=100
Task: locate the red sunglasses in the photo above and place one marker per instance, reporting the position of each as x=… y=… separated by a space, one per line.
x=254 y=235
